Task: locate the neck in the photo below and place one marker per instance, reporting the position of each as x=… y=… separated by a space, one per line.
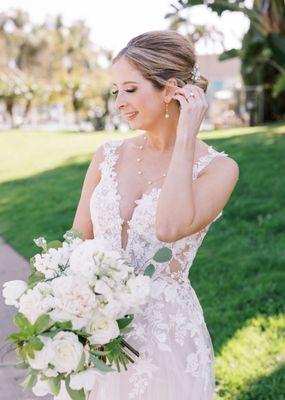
x=162 y=137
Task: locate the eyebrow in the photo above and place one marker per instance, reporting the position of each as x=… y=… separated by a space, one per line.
x=126 y=82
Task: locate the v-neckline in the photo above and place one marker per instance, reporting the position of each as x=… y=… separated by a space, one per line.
x=118 y=197
x=138 y=201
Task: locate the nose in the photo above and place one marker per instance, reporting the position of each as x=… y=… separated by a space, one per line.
x=120 y=102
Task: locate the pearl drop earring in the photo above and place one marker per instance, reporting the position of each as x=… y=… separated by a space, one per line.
x=166 y=110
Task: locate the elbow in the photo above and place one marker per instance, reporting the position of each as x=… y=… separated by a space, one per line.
x=173 y=233
x=165 y=236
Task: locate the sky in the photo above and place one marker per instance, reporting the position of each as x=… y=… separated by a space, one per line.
x=114 y=22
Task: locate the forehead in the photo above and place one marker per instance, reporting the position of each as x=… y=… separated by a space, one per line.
x=124 y=73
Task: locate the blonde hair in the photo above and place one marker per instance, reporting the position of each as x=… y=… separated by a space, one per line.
x=161 y=55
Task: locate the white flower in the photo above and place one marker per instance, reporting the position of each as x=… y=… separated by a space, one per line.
x=36 y=301
x=85 y=379
x=51 y=373
x=113 y=308
x=12 y=291
x=48 y=263
x=139 y=287
x=41 y=388
x=74 y=300
x=102 y=288
x=66 y=352
x=43 y=356
x=102 y=329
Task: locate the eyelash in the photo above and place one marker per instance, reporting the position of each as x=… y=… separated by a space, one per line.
x=114 y=93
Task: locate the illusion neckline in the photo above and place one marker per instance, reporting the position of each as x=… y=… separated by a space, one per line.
x=144 y=195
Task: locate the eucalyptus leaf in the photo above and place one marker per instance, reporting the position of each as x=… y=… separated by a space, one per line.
x=100 y=364
x=100 y=352
x=149 y=271
x=163 y=255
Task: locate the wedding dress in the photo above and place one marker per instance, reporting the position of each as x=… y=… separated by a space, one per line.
x=176 y=353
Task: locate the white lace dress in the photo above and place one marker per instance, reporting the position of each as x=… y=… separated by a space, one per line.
x=176 y=353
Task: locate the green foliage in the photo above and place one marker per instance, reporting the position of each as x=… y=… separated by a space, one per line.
x=74 y=394
x=262 y=53
x=149 y=271
x=55 y=384
x=163 y=255
x=123 y=322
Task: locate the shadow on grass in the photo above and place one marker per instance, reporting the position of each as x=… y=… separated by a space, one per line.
x=239 y=270
x=271 y=387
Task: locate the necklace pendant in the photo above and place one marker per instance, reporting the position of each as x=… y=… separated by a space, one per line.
x=141 y=147
x=164 y=175
x=140 y=172
x=139 y=159
x=149 y=182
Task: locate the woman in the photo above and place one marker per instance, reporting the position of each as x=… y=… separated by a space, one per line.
x=162 y=188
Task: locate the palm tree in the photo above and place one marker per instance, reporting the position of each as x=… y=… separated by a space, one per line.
x=263 y=48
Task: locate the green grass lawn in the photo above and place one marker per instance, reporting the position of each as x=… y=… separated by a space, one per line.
x=239 y=270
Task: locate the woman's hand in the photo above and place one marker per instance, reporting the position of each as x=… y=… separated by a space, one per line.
x=193 y=106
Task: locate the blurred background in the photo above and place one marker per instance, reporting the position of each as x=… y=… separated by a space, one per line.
x=56 y=108
x=55 y=59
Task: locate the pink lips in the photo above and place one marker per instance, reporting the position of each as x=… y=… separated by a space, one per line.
x=132 y=115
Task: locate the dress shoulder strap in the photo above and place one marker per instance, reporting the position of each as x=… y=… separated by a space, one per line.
x=110 y=156
x=206 y=159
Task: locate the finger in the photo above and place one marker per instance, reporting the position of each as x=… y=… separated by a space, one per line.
x=200 y=94
x=185 y=93
x=182 y=100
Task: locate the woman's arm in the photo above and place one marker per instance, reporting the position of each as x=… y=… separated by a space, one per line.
x=82 y=220
x=186 y=206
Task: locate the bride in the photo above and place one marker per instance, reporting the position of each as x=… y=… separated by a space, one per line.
x=161 y=188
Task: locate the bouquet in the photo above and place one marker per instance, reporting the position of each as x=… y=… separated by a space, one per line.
x=74 y=312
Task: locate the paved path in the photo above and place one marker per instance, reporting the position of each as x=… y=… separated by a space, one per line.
x=12 y=266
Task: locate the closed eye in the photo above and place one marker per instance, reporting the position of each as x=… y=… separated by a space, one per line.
x=115 y=92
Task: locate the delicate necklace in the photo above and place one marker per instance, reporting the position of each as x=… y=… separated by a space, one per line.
x=139 y=161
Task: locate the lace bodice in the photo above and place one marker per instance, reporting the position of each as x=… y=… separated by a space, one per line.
x=142 y=241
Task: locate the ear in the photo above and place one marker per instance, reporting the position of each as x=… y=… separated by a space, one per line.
x=169 y=90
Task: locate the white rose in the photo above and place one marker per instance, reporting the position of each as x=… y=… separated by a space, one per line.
x=113 y=308
x=102 y=329
x=12 y=291
x=36 y=301
x=85 y=379
x=83 y=260
x=102 y=288
x=41 y=388
x=66 y=352
x=74 y=300
x=139 y=287
x=43 y=356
